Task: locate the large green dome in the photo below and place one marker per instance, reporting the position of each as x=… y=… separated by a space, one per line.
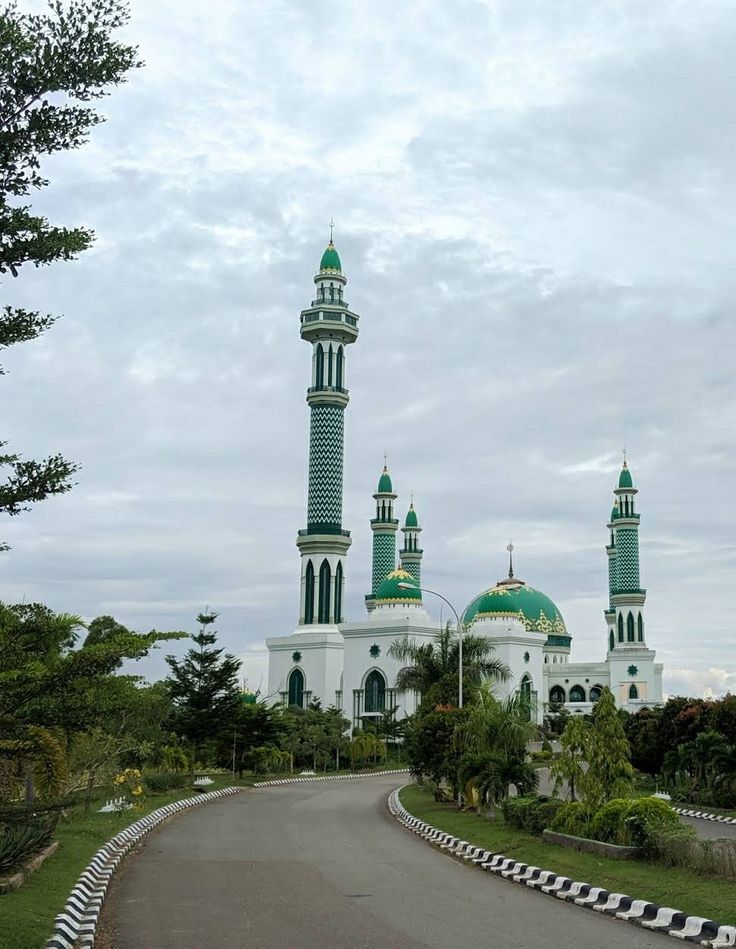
x=389 y=590
x=624 y=479
x=330 y=259
x=515 y=599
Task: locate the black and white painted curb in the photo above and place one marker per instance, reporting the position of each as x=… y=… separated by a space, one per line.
x=327 y=777
x=76 y=925
x=703 y=815
x=661 y=919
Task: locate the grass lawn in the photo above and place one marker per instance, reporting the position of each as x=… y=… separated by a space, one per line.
x=667 y=886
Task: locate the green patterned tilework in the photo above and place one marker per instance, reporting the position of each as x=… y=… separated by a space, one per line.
x=325 y=466
x=384 y=556
x=627 y=558
x=612 y=577
x=415 y=569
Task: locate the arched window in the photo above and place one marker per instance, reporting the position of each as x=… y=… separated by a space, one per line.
x=554 y=659
x=375 y=692
x=319 y=380
x=296 y=688
x=595 y=693
x=329 y=365
x=611 y=641
x=309 y=594
x=546 y=660
x=620 y=627
x=630 y=628
x=557 y=695
x=640 y=628
x=325 y=576
x=338 y=592
x=338 y=372
x=633 y=691
x=526 y=694
x=577 y=693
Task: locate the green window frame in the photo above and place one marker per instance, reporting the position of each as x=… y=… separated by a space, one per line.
x=374 y=694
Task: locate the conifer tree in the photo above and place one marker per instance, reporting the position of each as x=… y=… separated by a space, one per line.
x=568 y=767
x=609 y=772
x=204 y=688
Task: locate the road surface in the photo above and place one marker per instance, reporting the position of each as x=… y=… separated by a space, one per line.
x=321 y=865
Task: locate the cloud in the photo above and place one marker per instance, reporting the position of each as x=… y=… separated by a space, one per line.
x=535 y=211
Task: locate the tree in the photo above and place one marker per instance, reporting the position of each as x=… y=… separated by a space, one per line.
x=433 y=667
x=52 y=65
x=204 y=689
x=568 y=768
x=609 y=773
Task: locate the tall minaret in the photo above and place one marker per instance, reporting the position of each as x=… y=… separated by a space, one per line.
x=411 y=553
x=329 y=326
x=384 y=527
x=625 y=613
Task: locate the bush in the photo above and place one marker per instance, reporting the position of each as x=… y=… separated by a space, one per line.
x=17 y=842
x=646 y=816
x=573 y=818
x=547 y=746
x=162 y=781
x=610 y=823
x=542 y=755
x=532 y=814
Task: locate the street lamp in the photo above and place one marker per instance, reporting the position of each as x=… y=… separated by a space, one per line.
x=460 y=628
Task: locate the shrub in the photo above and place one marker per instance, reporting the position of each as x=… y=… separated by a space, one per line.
x=646 y=816
x=573 y=818
x=158 y=782
x=532 y=814
x=543 y=755
x=18 y=842
x=547 y=746
x=610 y=823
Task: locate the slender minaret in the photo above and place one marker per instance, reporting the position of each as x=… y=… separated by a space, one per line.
x=625 y=612
x=329 y=326
x=384 y=527
x=411 y=553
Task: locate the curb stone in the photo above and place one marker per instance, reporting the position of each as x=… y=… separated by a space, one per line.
x=662 y=919
x=704 y=815
x=76 y=925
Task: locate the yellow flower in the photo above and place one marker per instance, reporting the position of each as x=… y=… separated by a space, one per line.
x=120 y=779
x=137 y=790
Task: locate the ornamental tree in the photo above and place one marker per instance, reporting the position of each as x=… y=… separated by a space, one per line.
x=568 y=768
x=609 y=773
x=52 y=66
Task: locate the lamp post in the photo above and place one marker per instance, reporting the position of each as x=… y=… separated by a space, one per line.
x=460 y=630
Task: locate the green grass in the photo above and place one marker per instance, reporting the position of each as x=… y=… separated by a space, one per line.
x=667 y=886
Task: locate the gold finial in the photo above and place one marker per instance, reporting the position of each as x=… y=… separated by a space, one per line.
x=332 y=224
x=510 y=548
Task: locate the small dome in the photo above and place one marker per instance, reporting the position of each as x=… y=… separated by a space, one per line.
x=624 y=479
x=384 y=482
x=514 y=599
x=330 y=259
x=389 y=590
x=614 y=512
x=411 y=517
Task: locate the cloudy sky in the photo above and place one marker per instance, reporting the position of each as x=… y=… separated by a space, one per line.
x=535 y=211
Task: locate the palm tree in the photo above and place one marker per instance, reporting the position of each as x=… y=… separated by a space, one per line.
x=499 y=773
x=432 y=668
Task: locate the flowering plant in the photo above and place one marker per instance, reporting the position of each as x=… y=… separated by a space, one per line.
x=131 y=782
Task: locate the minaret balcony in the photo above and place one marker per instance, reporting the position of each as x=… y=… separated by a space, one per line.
x=328 y=323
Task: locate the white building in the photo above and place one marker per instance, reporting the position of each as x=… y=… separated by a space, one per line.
x=347 y=664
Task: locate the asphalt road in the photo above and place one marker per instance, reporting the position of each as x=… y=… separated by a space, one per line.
x=321 y=865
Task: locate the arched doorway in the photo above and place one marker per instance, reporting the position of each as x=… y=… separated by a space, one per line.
x=296 y=688
x=374 y=692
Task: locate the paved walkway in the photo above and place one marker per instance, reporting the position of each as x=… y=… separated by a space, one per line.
x=322 y=865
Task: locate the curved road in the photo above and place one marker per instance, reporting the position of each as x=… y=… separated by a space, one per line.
x=323 y=864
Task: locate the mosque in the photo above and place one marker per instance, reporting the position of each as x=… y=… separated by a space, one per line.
x=348 y=664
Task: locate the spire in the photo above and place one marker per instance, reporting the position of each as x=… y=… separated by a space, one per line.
x=411 y=552
x=510 y=548
x=330 y=259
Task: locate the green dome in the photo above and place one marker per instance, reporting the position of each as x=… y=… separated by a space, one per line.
x=330 y=259
x=624 y=479
x=614 y=512
x=389 y=590
x=411 y=518
x=513 y=598
x=384 y=482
